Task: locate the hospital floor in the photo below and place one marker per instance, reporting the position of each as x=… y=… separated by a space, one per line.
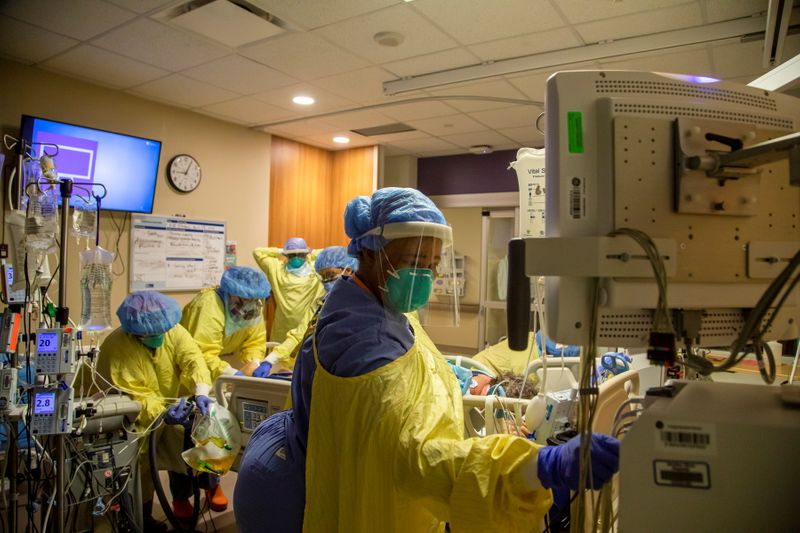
x=223 y=522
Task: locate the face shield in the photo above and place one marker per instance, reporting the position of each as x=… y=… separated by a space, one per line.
x=415 y=269
x=241 y=313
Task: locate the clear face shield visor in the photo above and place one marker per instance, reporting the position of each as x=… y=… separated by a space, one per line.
x=418 y=273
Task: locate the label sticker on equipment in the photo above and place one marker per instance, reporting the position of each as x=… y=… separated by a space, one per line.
x=684 y=474
x=575 y=132
x=691 y=437
x=577 y=198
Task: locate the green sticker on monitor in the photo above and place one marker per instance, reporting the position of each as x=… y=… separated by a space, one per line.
x=575 y=131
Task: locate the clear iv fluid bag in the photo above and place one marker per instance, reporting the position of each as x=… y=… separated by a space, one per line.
x=41 y=220
x=84 y=221
x=96 y=281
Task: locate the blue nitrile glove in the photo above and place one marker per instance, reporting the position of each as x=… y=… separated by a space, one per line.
x=263 y=370
x=238 y=373
x=203 y=403
x=559 y=466
x=178 y=413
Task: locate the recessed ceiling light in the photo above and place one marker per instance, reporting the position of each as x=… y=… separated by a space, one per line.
x=481 y=149
x=341 y=139
x=303 y=100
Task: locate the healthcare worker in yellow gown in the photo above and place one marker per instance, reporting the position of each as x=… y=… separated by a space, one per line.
x=295 y=288
x=331 y=264
x=229 y=319
x=154 y=360
x=375 y=438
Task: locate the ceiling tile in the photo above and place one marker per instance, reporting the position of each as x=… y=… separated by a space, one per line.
x=686 y=60
x=448 y=125
x=490 y=89
x=239 y=74
x=219 y=117
x=489 y=137
x=677 y=17
x=473 y=21
x=325 y=101
x=160 y=45
x=578 y=11
x=526 y=135
x=356 y=35
x=315 y=14
x=524 y=45
x=23 y=42
x=304 y=128
x=406 y=135
x=426 y=146
x=248 y=111
x=744 y=59
x=445 y=60
x=719 y=10
x=417 y=110
x=326 y=141
x=508 y=117
x=141 y=6
x=80 y=19
x=104 y=67
x=183 y=91
x=359 y=119
x=304 y=55
x=362 y=86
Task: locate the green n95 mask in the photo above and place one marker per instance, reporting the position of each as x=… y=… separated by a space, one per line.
x=408 y=289
x=154 y=341
x=296 y=262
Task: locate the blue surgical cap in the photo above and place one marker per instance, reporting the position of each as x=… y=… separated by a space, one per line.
x=386 y=206
x=295 y=244
x=245 y=282
x=148 y=313
x=335 y=257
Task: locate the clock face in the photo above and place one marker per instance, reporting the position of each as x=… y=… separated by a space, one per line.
x=184 y=173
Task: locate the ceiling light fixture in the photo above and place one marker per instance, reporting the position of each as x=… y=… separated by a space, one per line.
x=303 y=100
x=341 y=139
x=481 y=149
x=731 y=29
x=389 y=38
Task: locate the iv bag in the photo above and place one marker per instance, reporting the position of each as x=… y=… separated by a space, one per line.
x=41 y=219
x=96 y=280
x=217 y=440
x=84 y=218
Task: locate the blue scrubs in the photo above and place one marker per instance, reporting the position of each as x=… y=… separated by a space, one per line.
x=355 y=335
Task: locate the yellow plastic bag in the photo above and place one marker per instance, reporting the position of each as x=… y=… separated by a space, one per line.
x=217 y=441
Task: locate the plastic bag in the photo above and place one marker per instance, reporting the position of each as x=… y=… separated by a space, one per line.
x=84 y=218
x=41 y=219
x=96 y=281
x=217 y=441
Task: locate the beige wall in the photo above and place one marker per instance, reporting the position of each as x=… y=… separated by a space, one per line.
x=235 y=160
x=398 y=171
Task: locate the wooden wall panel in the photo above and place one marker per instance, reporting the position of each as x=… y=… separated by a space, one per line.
x=300 y=177
x=309 y=188
x=353 y=175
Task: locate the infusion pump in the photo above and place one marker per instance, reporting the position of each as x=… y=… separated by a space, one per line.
x=55 y=351
x=51 y=410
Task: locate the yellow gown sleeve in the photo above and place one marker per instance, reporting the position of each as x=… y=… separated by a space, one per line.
x=124 y=370
x=254 y=344
x=283 y=352
x=206 y=325
x=189 y=358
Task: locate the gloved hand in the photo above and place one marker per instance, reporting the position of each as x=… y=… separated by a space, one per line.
x=559 y=466
x=238 y=373
x=178 y=413
x=203 y=403
x=263 y=370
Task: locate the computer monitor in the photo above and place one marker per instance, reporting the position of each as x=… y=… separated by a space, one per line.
x=617 y=146
x=125 y=164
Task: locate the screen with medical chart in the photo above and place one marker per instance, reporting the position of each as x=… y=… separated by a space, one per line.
x=126 y=165
x=44 y=403
x=47 y=343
